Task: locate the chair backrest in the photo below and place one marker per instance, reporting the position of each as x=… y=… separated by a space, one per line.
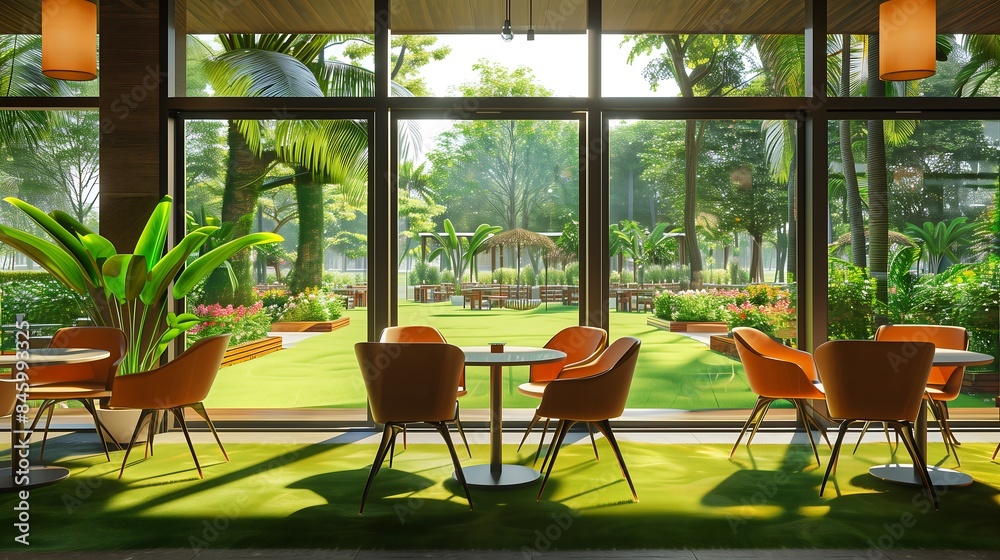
x=185 y=380
x=411 y=333
x=410 y=382
x=941 y=336
x=101 y=371
x=773 y=369
x=580 y=344
x=8 y=396
x=874 y=380
x=601 y=390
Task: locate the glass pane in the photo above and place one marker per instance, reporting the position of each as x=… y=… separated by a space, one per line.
x=713 y=65
x=929 y=215
x=508 y=175
x=682 y=296
x=50 y=161
x=311 y=289
x=20 y=68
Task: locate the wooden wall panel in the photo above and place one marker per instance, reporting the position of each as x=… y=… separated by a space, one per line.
x=132 y=107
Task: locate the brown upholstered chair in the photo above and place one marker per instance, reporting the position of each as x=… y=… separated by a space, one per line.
x=596 y=396
x=876 y=381
x=84 y=382
x=184 y=382
x=581 y=345
x=777 y=372
x=406 y=383
x=944 y=383
x=424 y=333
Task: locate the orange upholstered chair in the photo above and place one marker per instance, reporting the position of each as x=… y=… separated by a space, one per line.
x=596 y=396
x=876 y=381
x=424 y=333
x=184 y=382
x=84 y=382
x=410 y=382
x=776 y=372
x=944 y=383
x=581 y=345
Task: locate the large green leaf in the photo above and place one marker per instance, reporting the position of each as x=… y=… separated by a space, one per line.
x=71 y=223
x=60 y=234
x=125 y=276
x=154 y=235
x=99 y=247
x=49 y=256
x=166 y=270
x=205 y=264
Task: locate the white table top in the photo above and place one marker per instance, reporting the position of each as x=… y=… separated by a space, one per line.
x=952 y=357
x=55 y=356
x=522 y=355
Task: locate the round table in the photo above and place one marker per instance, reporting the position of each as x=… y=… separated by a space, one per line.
x=904 y=473
x=39 y=475
x=496 y=474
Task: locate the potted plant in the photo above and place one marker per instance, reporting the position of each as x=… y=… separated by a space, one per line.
x=460 y=253
x=127 y=290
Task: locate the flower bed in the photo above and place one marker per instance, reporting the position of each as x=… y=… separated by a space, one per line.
x=761 y=306
x=245 y=324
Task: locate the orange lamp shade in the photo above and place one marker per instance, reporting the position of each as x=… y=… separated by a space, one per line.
x=907 y=39
x=69 y=39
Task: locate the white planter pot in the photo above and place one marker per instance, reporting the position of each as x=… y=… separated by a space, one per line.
x=458 y=301
x=120 y=422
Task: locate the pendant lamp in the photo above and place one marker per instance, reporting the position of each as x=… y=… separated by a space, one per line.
x=506 y=33
x=907 y=39
x=69 y=39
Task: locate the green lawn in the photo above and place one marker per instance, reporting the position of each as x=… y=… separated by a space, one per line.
x=674 y=371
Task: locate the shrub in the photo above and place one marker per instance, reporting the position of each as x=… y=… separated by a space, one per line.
x=274 y=300
x=341 y=279
x=572 y=274
x=614 y=277
x=245 y=324
x=655 y=274
x=313 y=305
x=504 y=276
x=528 y=276
x=690 y=306
x=556 y=277
x=851 y=303
x=41 y=299
x=738 y=275
x=418 y=274
x=447 y=277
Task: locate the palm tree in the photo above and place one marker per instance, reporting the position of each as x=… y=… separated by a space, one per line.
x=940 y=239
x=983 y=64
x=321 y=152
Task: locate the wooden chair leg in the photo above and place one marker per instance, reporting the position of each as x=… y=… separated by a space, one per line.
x=538 y=451
x=199 y=409
x=807 y=422
x=461 y=432
x=995 y=451
x=38 y=415
x=560 y=435
x=534 y=420
x=760 y=420
x=98 y=425
x=905 y=430
x=593 y=442
x=832 y=467
x=750 y=421
x=459 y=474
x=388 y=435
x=864 y=430
x=45 y=434
x=179 y=415
x=135 y=434
x=605 y=427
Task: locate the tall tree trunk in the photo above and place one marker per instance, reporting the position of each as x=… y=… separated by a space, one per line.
x=780 y=253
x=309 y=260
x=690 y=200
x=878 y=197
x=855 y=216
x=244 y=177
x=790 y=258
x=756 y=262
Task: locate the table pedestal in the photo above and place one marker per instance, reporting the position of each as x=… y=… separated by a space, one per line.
x=38 y=476
x=905 y=474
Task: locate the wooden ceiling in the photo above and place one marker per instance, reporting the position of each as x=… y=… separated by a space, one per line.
x=550 y=16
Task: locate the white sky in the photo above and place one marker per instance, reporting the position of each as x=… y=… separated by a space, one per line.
x=559 y=63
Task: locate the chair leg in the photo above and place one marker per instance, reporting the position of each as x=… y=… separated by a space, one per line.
x=557 y=440
x=760 y=420
x=605 y=427
x=443 y=430
x=538 y=451
x=199 y=408
x=906 y=434
x=89 y=405
x=151 y=432
x=750 y=421
x=461 y=432
x=524 y=438
x=836 y=452
x=946 y=436
x=388 y=436
x=807 y=422
x=179 y=415
x=995 y=451
x=404 y=439
x=816 y=423
x=38 y=415
x=864 y=430
x=135 y=434
x=45 y=434
x=593 y=442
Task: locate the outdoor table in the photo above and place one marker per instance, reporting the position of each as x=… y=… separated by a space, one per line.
x=904 y=473
x=39 y=475
x=476 y=295
x=496 y=474
x=624 y=300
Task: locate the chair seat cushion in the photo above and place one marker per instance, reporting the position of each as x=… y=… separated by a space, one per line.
x=76 y=390
x=532 y=389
